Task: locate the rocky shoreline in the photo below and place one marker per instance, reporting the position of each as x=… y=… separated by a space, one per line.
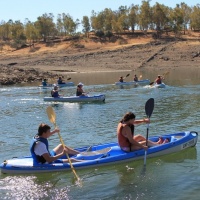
x=29 y=68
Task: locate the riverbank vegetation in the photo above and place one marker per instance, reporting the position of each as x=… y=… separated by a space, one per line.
x=157 y=19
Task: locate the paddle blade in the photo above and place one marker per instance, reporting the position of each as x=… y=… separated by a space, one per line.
x=51 y=114
x=151 y=83
x=149 y=106
x=127 y=75
x=69 y=79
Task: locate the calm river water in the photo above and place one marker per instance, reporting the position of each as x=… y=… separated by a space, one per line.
x=177 y=108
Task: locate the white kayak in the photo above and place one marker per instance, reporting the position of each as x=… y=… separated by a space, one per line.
x=59 y=85
x=95 y=98
x=141 y=82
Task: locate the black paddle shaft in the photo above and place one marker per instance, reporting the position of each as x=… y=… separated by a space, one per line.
x=149 y=106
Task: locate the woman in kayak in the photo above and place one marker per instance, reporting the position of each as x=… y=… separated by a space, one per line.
x=121 y=79
x=135 y=78
x=60 y=80
x=44 y=82
x=79 y=90
x=54 y=92
x=125 y=134
x=40 y=148
x=159 y=79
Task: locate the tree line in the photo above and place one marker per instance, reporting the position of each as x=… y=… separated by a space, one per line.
x=158 y=17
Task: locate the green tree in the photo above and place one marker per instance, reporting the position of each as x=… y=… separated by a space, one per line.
x=86 y=25
x=17 y=31
x=186 y=10
x=177 y=19
x=133 y=16
x=5 y=30
x=69 y=24
x=145 y=16
x=108 y=16
x=59 y=25
x=195 y=19
x=97 y=21
x=31 y=31
x=45 y=26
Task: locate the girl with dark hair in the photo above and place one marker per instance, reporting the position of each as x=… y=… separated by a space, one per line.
x=125 y=134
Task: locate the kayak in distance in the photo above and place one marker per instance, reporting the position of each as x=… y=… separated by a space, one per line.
x=155 y=85
x=95 y=98
x=103 y=154
x=59 y=85
x=162 y=85
x=140 y=82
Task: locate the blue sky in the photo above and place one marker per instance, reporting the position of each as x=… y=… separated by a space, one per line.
x=31 y=9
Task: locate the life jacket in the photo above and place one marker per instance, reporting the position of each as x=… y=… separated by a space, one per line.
x=78 y=93
x=44 y=83
x=54 y=93
x=122 y=140
x=36 y=158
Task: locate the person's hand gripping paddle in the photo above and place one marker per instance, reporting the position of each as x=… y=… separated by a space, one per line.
x=52 y=118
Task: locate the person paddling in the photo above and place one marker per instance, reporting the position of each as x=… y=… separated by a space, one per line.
x=54 y=92
x=121 y=79
x=159 y=79
x=40 y=149
x=127 y=139
x=135 y=78
x=79 y=90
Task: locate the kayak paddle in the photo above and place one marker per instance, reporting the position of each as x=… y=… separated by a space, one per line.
x=52 y=118
x=151 y=83
x=149 y=106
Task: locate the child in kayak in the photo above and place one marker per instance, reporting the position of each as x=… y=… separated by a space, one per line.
x=121 y=79
x=60 y=81
x=159 y=80
x=126 y=138
x=54 y=92
x=40 y=148
x=79 y=90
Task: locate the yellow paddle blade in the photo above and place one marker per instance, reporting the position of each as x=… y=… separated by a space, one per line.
x=51 y=114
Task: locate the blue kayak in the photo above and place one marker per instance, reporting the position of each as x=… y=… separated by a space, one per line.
x=59 y=85
x=94 y=98
x=103 y=154
x=139 y=82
